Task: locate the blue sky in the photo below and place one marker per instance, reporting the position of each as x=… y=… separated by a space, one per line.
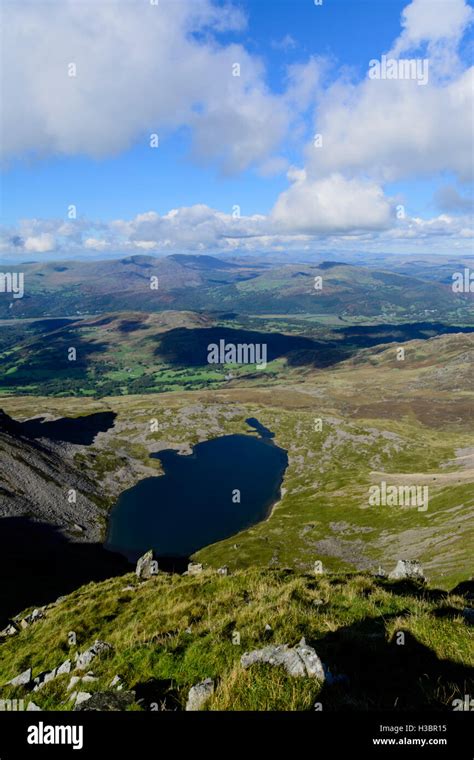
x=85 y=141
x=129 y=183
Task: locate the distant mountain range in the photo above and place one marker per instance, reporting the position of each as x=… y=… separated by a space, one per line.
x=207 y=283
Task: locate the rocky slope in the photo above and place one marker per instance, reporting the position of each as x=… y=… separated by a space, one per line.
x=52 y=519
x=38 y=480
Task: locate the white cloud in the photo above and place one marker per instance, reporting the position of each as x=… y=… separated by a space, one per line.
x=191 y=228
x=395 y=129
x=96 y=244
x=435 y=27
x=140 y=69
x=305 y=82
x=311 y=216
x=432 y=21
x=379 y=130
x=438 y=227
x=331 y=205
x=41 y=244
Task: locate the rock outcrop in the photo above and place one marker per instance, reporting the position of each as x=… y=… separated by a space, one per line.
x=407 y=569
x=32 y=618
x=194 y=568
x=44 y=678
x=98 y=648
x=299 y=661
x=80 y=697
x=468 y=615
x=21 y=680
x=45 y=468
x=10 y=630
x=199 y=694
x=18 y=623
x=147 y=566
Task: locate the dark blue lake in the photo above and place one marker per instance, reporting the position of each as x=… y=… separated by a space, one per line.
x=195 y=502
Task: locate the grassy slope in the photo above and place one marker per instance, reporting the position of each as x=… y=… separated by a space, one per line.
x=352 y=622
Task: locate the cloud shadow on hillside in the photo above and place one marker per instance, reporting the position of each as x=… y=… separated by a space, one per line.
x=188 y=347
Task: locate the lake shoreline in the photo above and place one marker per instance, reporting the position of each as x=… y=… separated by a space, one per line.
x=191 y=505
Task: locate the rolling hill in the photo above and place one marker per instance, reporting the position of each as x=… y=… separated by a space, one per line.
x=139 y=352
x=71 y=288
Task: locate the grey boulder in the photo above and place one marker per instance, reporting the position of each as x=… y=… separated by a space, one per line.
x=147 y=566
x=298 y=661
x=10 y=630
x=81 y=697
x=84 y=660
x=64 y=668
x=21 y=680
x=199 y=694
x=194 y=568
x=32 y=618
x=407 y=569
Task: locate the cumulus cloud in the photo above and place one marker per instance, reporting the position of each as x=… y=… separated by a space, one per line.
x=432 y=22
x=191 y=228
x=137 y=69
x=333 y=204
x=435 y=28
x=443 y=225
x=395 y=129
x=41 y=243
x=327 y=214
x=376 y=131
x=96 y=244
